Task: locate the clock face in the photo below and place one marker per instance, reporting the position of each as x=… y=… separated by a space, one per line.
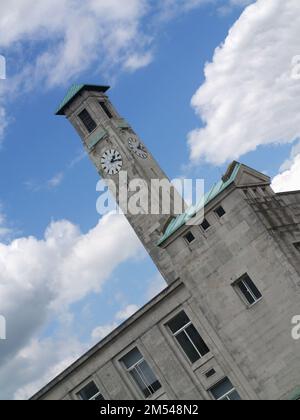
x=111 y=162
x=137 y=147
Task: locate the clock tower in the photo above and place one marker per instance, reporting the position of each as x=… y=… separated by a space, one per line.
x=115 y=149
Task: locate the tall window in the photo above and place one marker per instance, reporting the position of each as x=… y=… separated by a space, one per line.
x=188 y=337
x=106 y=110
x=141 y=373
x=87 y=120
x=248 y=290
x=224 y=390
x=90 y=393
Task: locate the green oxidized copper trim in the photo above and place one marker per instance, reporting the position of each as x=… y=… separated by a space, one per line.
x=94 y=139
x=295 y=395
x=182 y=219
x=74 y=91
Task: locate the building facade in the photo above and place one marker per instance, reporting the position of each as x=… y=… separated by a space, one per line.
x=222 y=329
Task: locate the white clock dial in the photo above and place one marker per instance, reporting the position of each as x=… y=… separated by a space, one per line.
x=137 y=147
x=111 y=162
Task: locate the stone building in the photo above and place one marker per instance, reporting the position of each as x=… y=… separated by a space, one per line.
x=222 y=329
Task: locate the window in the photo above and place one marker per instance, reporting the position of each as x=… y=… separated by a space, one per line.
x=87 y=120
x=141 y=373
x=90 y=393
x=220 y=212
x=210 y=373
x=225 y=391
x=297 y=246
x=188 y=337
x=205 y=224
x=248 y=290
x=106 y=110
x=189 y=237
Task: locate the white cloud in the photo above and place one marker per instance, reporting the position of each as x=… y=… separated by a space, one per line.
x=289 y=179
x=127 y=312
x=40 y=279
x=104 y=330
x=249 y=97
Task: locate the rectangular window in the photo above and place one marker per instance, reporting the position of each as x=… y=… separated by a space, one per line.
x=87 y=120
x=188 y=337
x=189 y=237
x=220 y=212
x=205 y=224
x=248 y=290
x=90 y=393
x=106 y=110
x=141 y=373
x=224 y=390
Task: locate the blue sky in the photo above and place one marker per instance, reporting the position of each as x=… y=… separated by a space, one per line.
x=66 y=288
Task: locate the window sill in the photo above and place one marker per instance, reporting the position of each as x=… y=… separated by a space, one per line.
x=253 y=304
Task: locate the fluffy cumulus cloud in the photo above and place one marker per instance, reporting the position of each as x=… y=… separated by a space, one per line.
x=251 y=91
x=40 y=279
x=289 y=177
x=53 y=42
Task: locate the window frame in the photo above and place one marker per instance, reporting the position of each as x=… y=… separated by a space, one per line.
x=134 y=367
x=227 y=394
x=186 y=239
x=183 y=329
x=108 y=113
x=90 y=131
x=81 y=388
x=205 y=221
x=220 y=207
x=236 y=286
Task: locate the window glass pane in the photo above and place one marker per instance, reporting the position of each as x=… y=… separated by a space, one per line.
x=234 y=396
x=220 y=211
x=89 y=391
x=197 y=340
x=149 y=376
x=178 y=322
x=205 y=225
x=246 y=293
x=252 y=287
x=187 y=346
x=106 y=110
x=87 y=120
x=223 y=388
x=145 y=379
x=140 y=383
x=132 y=358
x=190 y=237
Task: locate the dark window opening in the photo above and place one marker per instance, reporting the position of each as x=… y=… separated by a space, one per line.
x=210 y=373
x=248 y=289
x=106 y=110
x=87 y=120
x=225 y=391
x=205 y=224
x=188 y=337
x=297 y=246
x=220 y=211
x=90 y=393
x=189 y=237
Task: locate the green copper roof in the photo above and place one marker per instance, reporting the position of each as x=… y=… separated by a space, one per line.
x=296 y=394
x=74 y=91
x=182 y=219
